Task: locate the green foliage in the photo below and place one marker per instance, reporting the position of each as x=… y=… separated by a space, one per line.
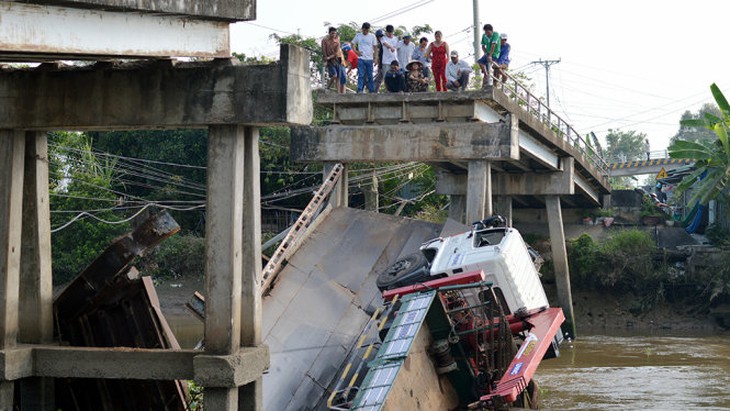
x=242 y=57
x=432 y=213
x=347 y=31
x=624 y=145
x=688 y=132
x=79 y=181
x=315 y=52
x=584 y=259
x=418 y=31
x=195 y=396
x=718 y=235
x=184 y=184
x=178 y=256
x=710 y=179
x=622 y=261
x=649 y=208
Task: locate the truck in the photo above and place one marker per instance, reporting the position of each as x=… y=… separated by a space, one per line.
x=478 y=297
x=508 y=262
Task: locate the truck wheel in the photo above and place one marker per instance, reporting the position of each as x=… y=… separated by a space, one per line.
x=408 y=270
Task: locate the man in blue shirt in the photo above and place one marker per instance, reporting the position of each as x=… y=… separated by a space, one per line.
x=502 y=62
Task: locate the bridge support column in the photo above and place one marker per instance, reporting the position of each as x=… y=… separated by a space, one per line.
x=250 y=396
x=560 y=261
x=224 y=253
x=371 y=194
x=36 y=283
x=340 y=193
x=478 y=191
x=504 y=208
x=457 y=207
x=12 y=151
x=607 y=201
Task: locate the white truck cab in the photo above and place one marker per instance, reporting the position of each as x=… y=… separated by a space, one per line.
x=498 y=251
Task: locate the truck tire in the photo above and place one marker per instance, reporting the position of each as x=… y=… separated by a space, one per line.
x=408 y=270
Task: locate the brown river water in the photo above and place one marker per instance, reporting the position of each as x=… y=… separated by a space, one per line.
x=634 y=372
x=625 y=372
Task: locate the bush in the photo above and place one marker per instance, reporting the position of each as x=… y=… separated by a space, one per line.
x=178 y=256
x=718 y=235
x=623 y=261
x=584 y=259
x=628 y=257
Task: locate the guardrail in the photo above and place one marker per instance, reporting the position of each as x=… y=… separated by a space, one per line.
x=536 y=108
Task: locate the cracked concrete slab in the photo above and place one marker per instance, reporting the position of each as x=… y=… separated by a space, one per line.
x=320 y=303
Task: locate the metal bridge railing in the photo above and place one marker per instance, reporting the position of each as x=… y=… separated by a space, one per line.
x=539 y=110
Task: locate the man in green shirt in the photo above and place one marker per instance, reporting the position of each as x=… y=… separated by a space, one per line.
x=491 y=48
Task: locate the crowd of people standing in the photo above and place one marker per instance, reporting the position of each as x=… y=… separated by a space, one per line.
x=404 y=66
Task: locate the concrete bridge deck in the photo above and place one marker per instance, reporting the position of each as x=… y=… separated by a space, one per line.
x=323 y=298
x=528 y=154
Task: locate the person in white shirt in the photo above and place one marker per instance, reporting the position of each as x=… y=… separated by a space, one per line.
x=390 y=45
x=405 y=49
x=457 y=72
x=366 y=46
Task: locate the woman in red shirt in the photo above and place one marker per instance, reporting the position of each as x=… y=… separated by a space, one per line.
x=438 y=51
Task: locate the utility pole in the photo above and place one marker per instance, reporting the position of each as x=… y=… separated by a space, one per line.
x=546 y=64
x=477 y=31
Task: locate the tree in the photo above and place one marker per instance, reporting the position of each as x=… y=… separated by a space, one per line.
x=692 y=133
x=163 y=166
x=712 y=159
x=79 y=182
x=624 y=145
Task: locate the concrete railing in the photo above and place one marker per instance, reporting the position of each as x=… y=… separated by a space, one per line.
x=536 y=108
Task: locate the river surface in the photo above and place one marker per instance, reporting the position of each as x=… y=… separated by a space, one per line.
x=634 y=372
x=626 y=372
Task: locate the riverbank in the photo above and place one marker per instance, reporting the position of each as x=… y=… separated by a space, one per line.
x=600 y=312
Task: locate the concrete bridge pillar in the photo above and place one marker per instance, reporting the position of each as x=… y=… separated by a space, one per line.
x=36 y=282
x=26 y=290
x=504 y=208
x=607 y=201
x=250 y=396
x=560 y=261
x=232 y=270
x=457 y=207
x=12 y=152
x=340 y=193
x=478 y=191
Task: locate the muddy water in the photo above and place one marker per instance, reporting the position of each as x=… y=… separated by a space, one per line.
x=639 y=373
x=628 y=372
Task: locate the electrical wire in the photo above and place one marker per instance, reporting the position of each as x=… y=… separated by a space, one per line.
x=132 y=217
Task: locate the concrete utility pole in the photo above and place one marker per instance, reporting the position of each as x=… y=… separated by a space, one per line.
x=546 y=64
x=477 y=31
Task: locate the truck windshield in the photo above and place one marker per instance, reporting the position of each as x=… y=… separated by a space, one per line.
x=488 y=237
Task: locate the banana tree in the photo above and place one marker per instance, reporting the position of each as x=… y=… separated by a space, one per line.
x=712 y=159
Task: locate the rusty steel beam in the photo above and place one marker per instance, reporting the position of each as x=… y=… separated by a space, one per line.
x=109 y=305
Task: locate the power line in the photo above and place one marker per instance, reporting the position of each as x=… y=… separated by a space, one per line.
x=546 y=64
x=401 y=10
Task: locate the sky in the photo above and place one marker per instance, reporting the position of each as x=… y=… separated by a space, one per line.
x=624 y=64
